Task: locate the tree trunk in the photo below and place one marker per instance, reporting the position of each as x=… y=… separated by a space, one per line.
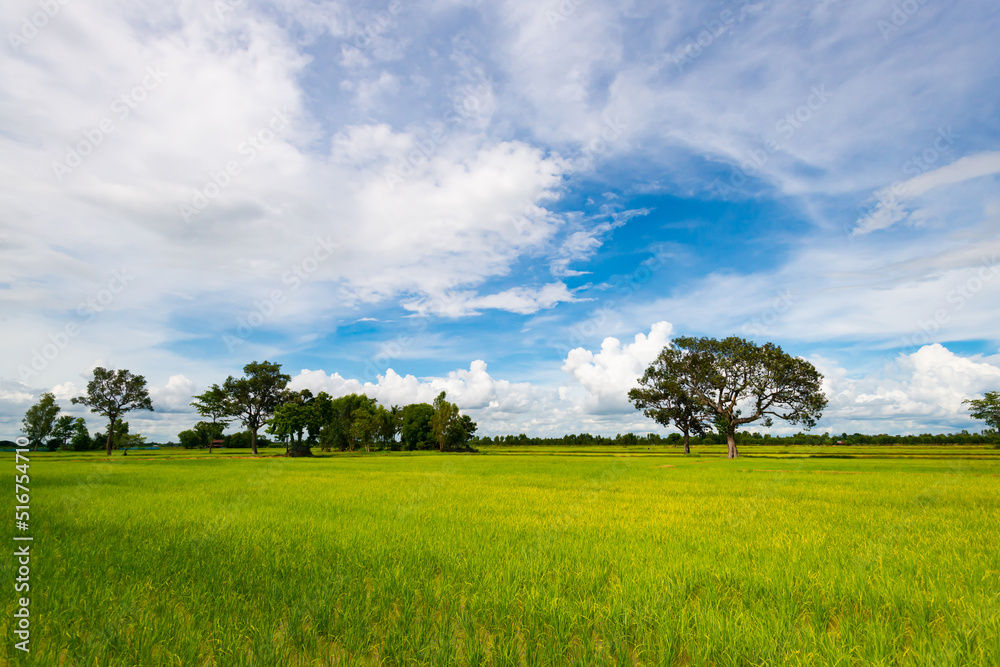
x=111 y=435
x=253 y=441
x=731 y=441
x=687 y=443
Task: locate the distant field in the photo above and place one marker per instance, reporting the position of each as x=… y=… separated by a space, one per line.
x=800 y=555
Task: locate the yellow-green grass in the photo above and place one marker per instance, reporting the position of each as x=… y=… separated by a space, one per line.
x=599 y=557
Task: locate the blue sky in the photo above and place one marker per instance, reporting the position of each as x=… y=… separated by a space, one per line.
x=517 y=202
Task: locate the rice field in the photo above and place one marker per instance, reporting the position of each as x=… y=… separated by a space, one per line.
x=513 y=557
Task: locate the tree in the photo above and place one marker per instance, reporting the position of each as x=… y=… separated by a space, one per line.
x=732 y=375
x=416 y=430
x=364 y=425
x=38 y=420
x=81 y=438
x=443 y=421
x=986 y=409
x=661 y=397
x=125 y=440
x=338 y=419
x=215 y=404
x=255 y=396
x=62 y=432
x=293 y=417
x=112 y=394
x=451 y=429
x=191 y=438
x=389 y=420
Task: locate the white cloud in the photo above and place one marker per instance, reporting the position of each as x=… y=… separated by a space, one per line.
x=175 y=396
x=66 y=391
x=473 y=389
x=608 y=375
x=893 y=201
x=923 y=390
x=521 y=300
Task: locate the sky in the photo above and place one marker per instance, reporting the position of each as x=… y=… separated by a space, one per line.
x=517 y=202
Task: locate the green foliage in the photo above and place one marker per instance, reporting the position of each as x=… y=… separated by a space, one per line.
x=63 y=430
x=245 y=440
x=337 y=429
x=300 y=412
x=80 y=440
x=38 y=421
x=215 y=404
x=701 y=377
x=192 y=439
x=416 y=429
x=986 y=409
x=256 y=395
x=662 y=397
x=112 y=394
x=452 y=430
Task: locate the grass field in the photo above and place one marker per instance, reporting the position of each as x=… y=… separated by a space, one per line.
x=838 y=556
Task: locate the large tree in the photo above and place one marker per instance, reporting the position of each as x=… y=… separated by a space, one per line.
x=337 y=417
x=987 y=409
x=216 y=405
x=416 y=430
x=300 y=412
x=65 y=429
x=112 y=394
x=451 y=428
x=740 y=382
x=661 y=397
x=39 y=420
x=255 y=396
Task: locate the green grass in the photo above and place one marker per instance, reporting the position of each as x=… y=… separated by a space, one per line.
x=585 y=557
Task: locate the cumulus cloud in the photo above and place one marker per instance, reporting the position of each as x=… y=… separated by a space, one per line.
x=471 y=389
x=607 y=376
x=175 y=396
x=925 y=388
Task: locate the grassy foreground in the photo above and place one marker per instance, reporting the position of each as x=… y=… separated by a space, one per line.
x=512 y=557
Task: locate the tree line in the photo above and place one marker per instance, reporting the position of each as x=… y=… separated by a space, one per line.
x=302 y=420
x=704 y=387
x=987 y=437
x=259 y=399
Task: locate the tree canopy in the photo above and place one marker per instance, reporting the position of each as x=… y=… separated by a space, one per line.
x=39 y=420
x=215 y=404
x=112 y=394
x=986 y=409
x=734 y=380
x=662 y=398
x=451 y=429
x=255 y=396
